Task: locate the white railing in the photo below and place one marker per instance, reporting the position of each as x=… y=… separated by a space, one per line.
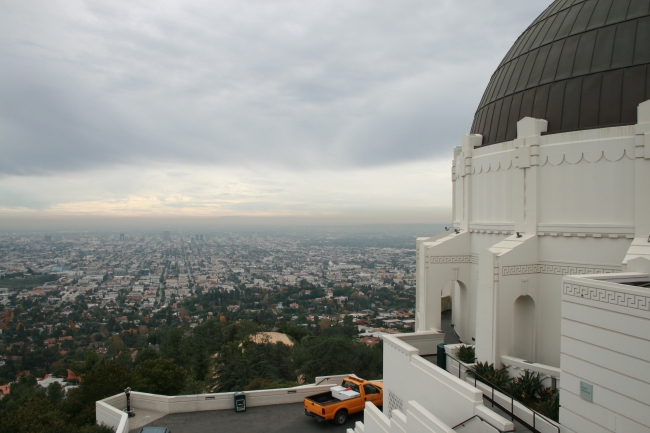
x=537 y=421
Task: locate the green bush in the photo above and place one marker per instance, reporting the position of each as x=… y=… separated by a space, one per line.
x=268 y=384
x=466 y=354
x=486 y=373
x=549 y=403
x=526 y=388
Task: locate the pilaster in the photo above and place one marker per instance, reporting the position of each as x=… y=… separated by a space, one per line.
x=640 y=246
x=525 y=200
x=470 y=141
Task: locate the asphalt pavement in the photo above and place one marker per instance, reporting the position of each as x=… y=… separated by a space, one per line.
x=286 y=418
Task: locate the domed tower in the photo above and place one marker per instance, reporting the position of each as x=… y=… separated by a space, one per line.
x=553 y=180
x=580 y=65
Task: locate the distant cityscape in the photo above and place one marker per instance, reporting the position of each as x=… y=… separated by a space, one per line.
x=59 y=292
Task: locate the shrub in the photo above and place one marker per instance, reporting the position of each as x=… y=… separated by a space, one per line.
x=268 y=384
x=549 y=403
x=487 y=373
x=527 y=387
x=466 y=354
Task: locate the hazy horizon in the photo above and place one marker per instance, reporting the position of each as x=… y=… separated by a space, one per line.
x=191 y=226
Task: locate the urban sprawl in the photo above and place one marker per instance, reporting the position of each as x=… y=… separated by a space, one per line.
x=64 y=294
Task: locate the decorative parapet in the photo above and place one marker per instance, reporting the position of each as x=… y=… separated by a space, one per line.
x=608 y=291
x=608 y=296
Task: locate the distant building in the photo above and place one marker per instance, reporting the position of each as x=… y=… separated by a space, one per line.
x=121 y=236
x=166 y=236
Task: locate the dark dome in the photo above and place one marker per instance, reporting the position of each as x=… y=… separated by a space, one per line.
x=581 y=64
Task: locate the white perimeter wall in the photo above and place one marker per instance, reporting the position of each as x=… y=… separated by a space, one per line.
x=605 y=343
x=432 y=395
x=110 y=410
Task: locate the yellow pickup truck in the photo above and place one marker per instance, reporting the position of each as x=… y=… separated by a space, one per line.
x=326 y=407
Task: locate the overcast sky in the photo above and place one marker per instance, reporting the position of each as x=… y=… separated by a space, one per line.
x=328 y=109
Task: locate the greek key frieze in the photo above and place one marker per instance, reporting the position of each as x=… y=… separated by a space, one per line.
x=443 y=260
x=552 y=270
x=608 y=296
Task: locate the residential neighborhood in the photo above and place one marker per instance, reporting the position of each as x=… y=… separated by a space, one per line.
x=63 y=294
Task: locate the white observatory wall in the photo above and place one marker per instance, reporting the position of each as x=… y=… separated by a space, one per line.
x=574 y=191
x=605 y=348
x=492 y=197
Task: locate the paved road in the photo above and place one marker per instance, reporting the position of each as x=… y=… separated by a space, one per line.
x=287 y=418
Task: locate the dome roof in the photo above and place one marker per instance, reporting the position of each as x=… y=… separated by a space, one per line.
x=581 y=64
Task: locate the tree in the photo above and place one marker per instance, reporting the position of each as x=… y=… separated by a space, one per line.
x=105 y=380
x=21 y=391
x=55 y=392
x=39 y=415
x=159 y=376
x=176 y=347
x=145 y=355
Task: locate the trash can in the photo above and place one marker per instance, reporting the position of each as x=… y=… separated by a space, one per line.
x=240 y=402
x=441 y=358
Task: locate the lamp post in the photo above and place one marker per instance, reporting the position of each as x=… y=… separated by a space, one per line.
x=127 y=392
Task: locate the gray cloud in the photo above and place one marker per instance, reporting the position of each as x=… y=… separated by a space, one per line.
x=293 y=84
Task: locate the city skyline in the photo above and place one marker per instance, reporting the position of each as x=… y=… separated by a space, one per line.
x=325 y=112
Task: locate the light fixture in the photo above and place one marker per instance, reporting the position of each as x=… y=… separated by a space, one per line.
x=457 y=231
x=519 y=234
x=446 y=229
x=648 y=238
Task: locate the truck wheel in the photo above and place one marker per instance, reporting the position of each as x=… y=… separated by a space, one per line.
x=341 y=417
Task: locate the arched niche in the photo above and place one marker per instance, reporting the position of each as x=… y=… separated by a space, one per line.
x=523 y=328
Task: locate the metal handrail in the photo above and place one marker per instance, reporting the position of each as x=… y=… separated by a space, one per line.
x=512 y=400
x=476 y=416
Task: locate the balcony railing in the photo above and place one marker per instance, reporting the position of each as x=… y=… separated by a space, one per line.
x=511 y=412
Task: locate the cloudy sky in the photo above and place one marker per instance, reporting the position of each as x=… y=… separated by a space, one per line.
x=346 y=110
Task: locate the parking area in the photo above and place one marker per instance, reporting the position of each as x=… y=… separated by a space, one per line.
x=286 y=418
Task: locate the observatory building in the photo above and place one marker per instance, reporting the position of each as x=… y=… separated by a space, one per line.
x=547 y=264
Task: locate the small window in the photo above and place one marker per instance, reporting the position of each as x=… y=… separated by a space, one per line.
x=369 y=389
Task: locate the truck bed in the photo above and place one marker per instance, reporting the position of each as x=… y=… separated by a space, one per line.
x=323 y=399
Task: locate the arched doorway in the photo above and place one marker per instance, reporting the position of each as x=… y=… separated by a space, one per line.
x=523 y=328
x=460 y=311
x=446 y=297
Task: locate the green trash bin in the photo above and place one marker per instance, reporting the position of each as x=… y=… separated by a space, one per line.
x=240 y=402
x=441 y=358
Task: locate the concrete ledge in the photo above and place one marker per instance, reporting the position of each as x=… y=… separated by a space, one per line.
x=521 y=364
x=112 y=417
x=400 y=345
x=426 y=342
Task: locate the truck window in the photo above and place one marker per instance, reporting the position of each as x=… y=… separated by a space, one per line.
x=369 y=389
x=351 y=385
